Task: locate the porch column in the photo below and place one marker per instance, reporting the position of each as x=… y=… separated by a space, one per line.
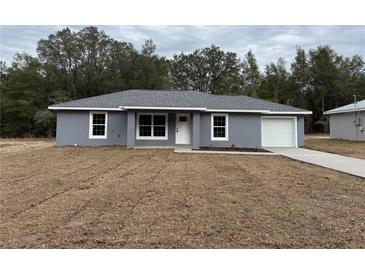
x=131 y=129
x=196 y=130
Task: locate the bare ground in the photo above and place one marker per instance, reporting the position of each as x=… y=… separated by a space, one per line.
x=338 y=146
x=109 y=197
x=11 y=145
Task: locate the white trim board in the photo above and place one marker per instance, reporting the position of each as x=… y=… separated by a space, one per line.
x=217 y=110
x=125 y=108
x=83 y=108
x=288 y=112
x=162 y=108
x=343 y=111
x=260 y=111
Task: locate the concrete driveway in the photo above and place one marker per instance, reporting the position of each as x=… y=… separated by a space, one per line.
x=341 y=163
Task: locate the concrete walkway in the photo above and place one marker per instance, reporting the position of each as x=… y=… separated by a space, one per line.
x=337 y=162
x=189 y=150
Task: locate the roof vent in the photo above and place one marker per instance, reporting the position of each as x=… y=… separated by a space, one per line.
x=355 y=102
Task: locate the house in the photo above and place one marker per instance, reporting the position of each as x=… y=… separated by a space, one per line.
x=348 y=122
x=167 y=118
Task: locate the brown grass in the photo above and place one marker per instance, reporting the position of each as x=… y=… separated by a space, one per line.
x=11 y=145
x=109 y=197
x=343 y=147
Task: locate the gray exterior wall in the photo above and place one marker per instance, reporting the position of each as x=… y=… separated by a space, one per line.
x=244 y=130
x=73 y=128
x=195 y=130
x=342 y=126
x=131 y=129
x=300 y=130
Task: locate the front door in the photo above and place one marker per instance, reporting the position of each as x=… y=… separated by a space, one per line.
x=182 y=129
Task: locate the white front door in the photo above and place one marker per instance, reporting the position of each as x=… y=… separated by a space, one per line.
x=182 y=129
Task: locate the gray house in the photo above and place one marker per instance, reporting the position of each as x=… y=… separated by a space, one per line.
x=348 y=122
x=168 y=118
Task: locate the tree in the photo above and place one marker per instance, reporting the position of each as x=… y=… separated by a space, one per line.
x=3 y=75
x=89 y=62
x=149 y=48
x=251 y=75
x=208 y=70
x=300 y=79
x=21 y=96
x=151 y=71
x=73 y=65
x=45 y=123
x=324 y=75
x=351 y=74
x=3 y=69
x=275 y=82
x=59 y=56
x=78 y=60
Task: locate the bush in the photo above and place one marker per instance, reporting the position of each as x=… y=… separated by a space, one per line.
x=320 y=126
x=45 y=123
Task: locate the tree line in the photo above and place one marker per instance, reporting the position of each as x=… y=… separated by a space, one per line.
x=71 y=65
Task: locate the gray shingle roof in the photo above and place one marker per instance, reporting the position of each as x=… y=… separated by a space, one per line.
x=360 y=106
x=175 y=99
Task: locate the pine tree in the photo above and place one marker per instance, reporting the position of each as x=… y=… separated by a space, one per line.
x=251 y=75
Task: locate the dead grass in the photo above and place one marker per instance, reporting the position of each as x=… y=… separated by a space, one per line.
x=28 y=139
x=109 y=197
x=12 y=145
x=343 y=147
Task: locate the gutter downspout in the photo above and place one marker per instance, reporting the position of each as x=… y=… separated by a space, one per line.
x=357 y=126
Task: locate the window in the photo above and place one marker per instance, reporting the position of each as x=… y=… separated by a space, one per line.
x=98 y=125
x=152 y=126
x=219 y=127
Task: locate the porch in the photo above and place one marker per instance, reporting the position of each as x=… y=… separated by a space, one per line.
x=146 y=128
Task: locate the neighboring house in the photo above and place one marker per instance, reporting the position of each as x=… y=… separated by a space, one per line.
x=167 y=118
x=348 y=122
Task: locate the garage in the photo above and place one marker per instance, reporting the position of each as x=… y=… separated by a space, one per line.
x=279 y=131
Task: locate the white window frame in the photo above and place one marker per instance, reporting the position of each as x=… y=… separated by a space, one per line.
x=91 y=136
x=153 y=137
x=212 y=138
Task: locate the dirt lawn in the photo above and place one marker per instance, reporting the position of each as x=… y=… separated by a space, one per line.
x=11 y=145
x=109 y=197
x=343 y=147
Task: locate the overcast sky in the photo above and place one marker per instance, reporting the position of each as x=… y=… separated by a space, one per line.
x=268 y=42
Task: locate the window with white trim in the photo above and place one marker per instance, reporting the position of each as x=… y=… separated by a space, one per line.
x=152 y=126
x=219 y=131
x=98 y=125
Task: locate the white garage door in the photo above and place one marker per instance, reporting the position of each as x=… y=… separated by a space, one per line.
x=278 y=132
